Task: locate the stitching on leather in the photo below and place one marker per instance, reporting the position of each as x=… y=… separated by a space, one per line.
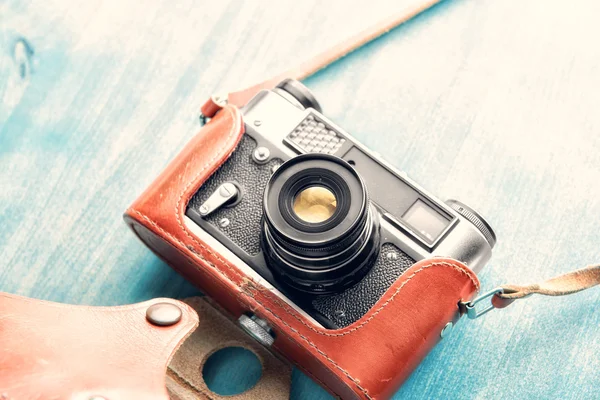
x=235 y=272
x=313 y=376
x=276 y=301
x=314 y=346
x=356 y=381
x=335 y=364
x=378 y=310
x=191 y=182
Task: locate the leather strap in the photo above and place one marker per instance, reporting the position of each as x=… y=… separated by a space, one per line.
x=320 y=61
x=571 y=282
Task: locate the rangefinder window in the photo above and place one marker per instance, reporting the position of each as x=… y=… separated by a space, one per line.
x=400 y=200
x=426 y=220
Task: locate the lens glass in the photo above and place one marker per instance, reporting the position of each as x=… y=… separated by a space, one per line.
x=315 y=204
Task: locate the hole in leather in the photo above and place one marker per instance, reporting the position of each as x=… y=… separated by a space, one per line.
x=231 y=370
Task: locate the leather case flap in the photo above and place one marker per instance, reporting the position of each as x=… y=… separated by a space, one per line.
x=58 y=351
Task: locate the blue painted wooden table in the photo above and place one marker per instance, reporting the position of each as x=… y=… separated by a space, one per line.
x=492 y=102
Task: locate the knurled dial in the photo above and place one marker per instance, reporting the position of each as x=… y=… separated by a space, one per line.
x=475 y=218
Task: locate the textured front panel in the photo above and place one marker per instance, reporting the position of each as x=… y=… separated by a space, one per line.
x=347 y=307
x=314 y=136
x=240 y=223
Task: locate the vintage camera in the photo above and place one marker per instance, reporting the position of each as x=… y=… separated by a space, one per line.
x=320 y=220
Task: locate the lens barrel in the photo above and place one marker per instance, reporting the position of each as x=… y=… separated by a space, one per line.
x=319 y=257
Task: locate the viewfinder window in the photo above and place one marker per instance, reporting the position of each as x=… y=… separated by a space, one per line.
x=425 y=220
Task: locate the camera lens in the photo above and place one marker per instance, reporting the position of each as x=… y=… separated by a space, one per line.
x=320 y=231
x=315 y=204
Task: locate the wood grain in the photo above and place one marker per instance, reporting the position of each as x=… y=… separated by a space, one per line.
x=492 y=102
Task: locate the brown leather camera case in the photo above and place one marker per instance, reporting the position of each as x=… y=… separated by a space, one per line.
x=366 y=360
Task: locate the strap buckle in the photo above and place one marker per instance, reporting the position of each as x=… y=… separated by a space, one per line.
x=473 y=311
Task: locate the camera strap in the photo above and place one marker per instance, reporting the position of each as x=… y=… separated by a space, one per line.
x=500 y=297
x=503 y=296
x=318 y=62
